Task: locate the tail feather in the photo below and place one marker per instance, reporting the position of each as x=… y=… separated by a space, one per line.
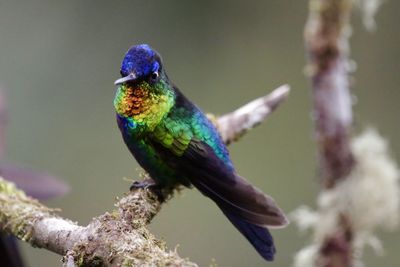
x=249 y=210
x=247 y=207
x=258 y=236
x=241 y=198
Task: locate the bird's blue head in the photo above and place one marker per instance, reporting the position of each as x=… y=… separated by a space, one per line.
x=140 y=62
x=144 y=94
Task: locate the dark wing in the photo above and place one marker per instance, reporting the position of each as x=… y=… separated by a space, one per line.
x=215 y=179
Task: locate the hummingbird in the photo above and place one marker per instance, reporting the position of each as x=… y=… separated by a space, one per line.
x=176 y=144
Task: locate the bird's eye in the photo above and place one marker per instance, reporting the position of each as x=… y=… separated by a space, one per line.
x=154 y=76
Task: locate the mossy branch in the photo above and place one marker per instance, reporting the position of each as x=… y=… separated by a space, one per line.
x=326 y=37
x=359 y=179
x=121 y=237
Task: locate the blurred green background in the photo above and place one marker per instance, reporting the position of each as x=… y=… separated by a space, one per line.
x=58 y=60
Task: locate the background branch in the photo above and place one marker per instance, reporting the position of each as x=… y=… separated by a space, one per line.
x=121 y=237
x=326 y=37
x=358 y=177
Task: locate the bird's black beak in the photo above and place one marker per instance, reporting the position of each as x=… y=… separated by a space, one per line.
x=131 y=77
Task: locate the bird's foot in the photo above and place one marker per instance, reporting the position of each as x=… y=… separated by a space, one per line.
x=149 y=184
x=143 y=184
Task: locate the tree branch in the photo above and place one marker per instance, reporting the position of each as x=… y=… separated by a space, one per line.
x=234 y=125
x=360 y=189
x=121 y=237
x=326 y=37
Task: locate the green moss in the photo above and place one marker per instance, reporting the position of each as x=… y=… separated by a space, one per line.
x=10 y=189
x=119 y=238
x=19 y=212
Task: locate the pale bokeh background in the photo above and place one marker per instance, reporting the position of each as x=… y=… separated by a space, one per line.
x=59 y=60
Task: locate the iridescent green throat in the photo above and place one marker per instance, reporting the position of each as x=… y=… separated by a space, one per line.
x=144 y=104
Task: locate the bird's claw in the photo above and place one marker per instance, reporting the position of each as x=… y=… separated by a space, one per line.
x=143 y=184
x=151 y=185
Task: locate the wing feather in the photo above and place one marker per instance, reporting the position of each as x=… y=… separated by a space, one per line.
x=216 y=180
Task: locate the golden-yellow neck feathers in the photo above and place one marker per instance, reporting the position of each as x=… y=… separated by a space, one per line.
x=144 y=104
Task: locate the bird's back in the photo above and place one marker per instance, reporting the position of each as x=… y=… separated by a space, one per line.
x=170 y=138
x=196 y=124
